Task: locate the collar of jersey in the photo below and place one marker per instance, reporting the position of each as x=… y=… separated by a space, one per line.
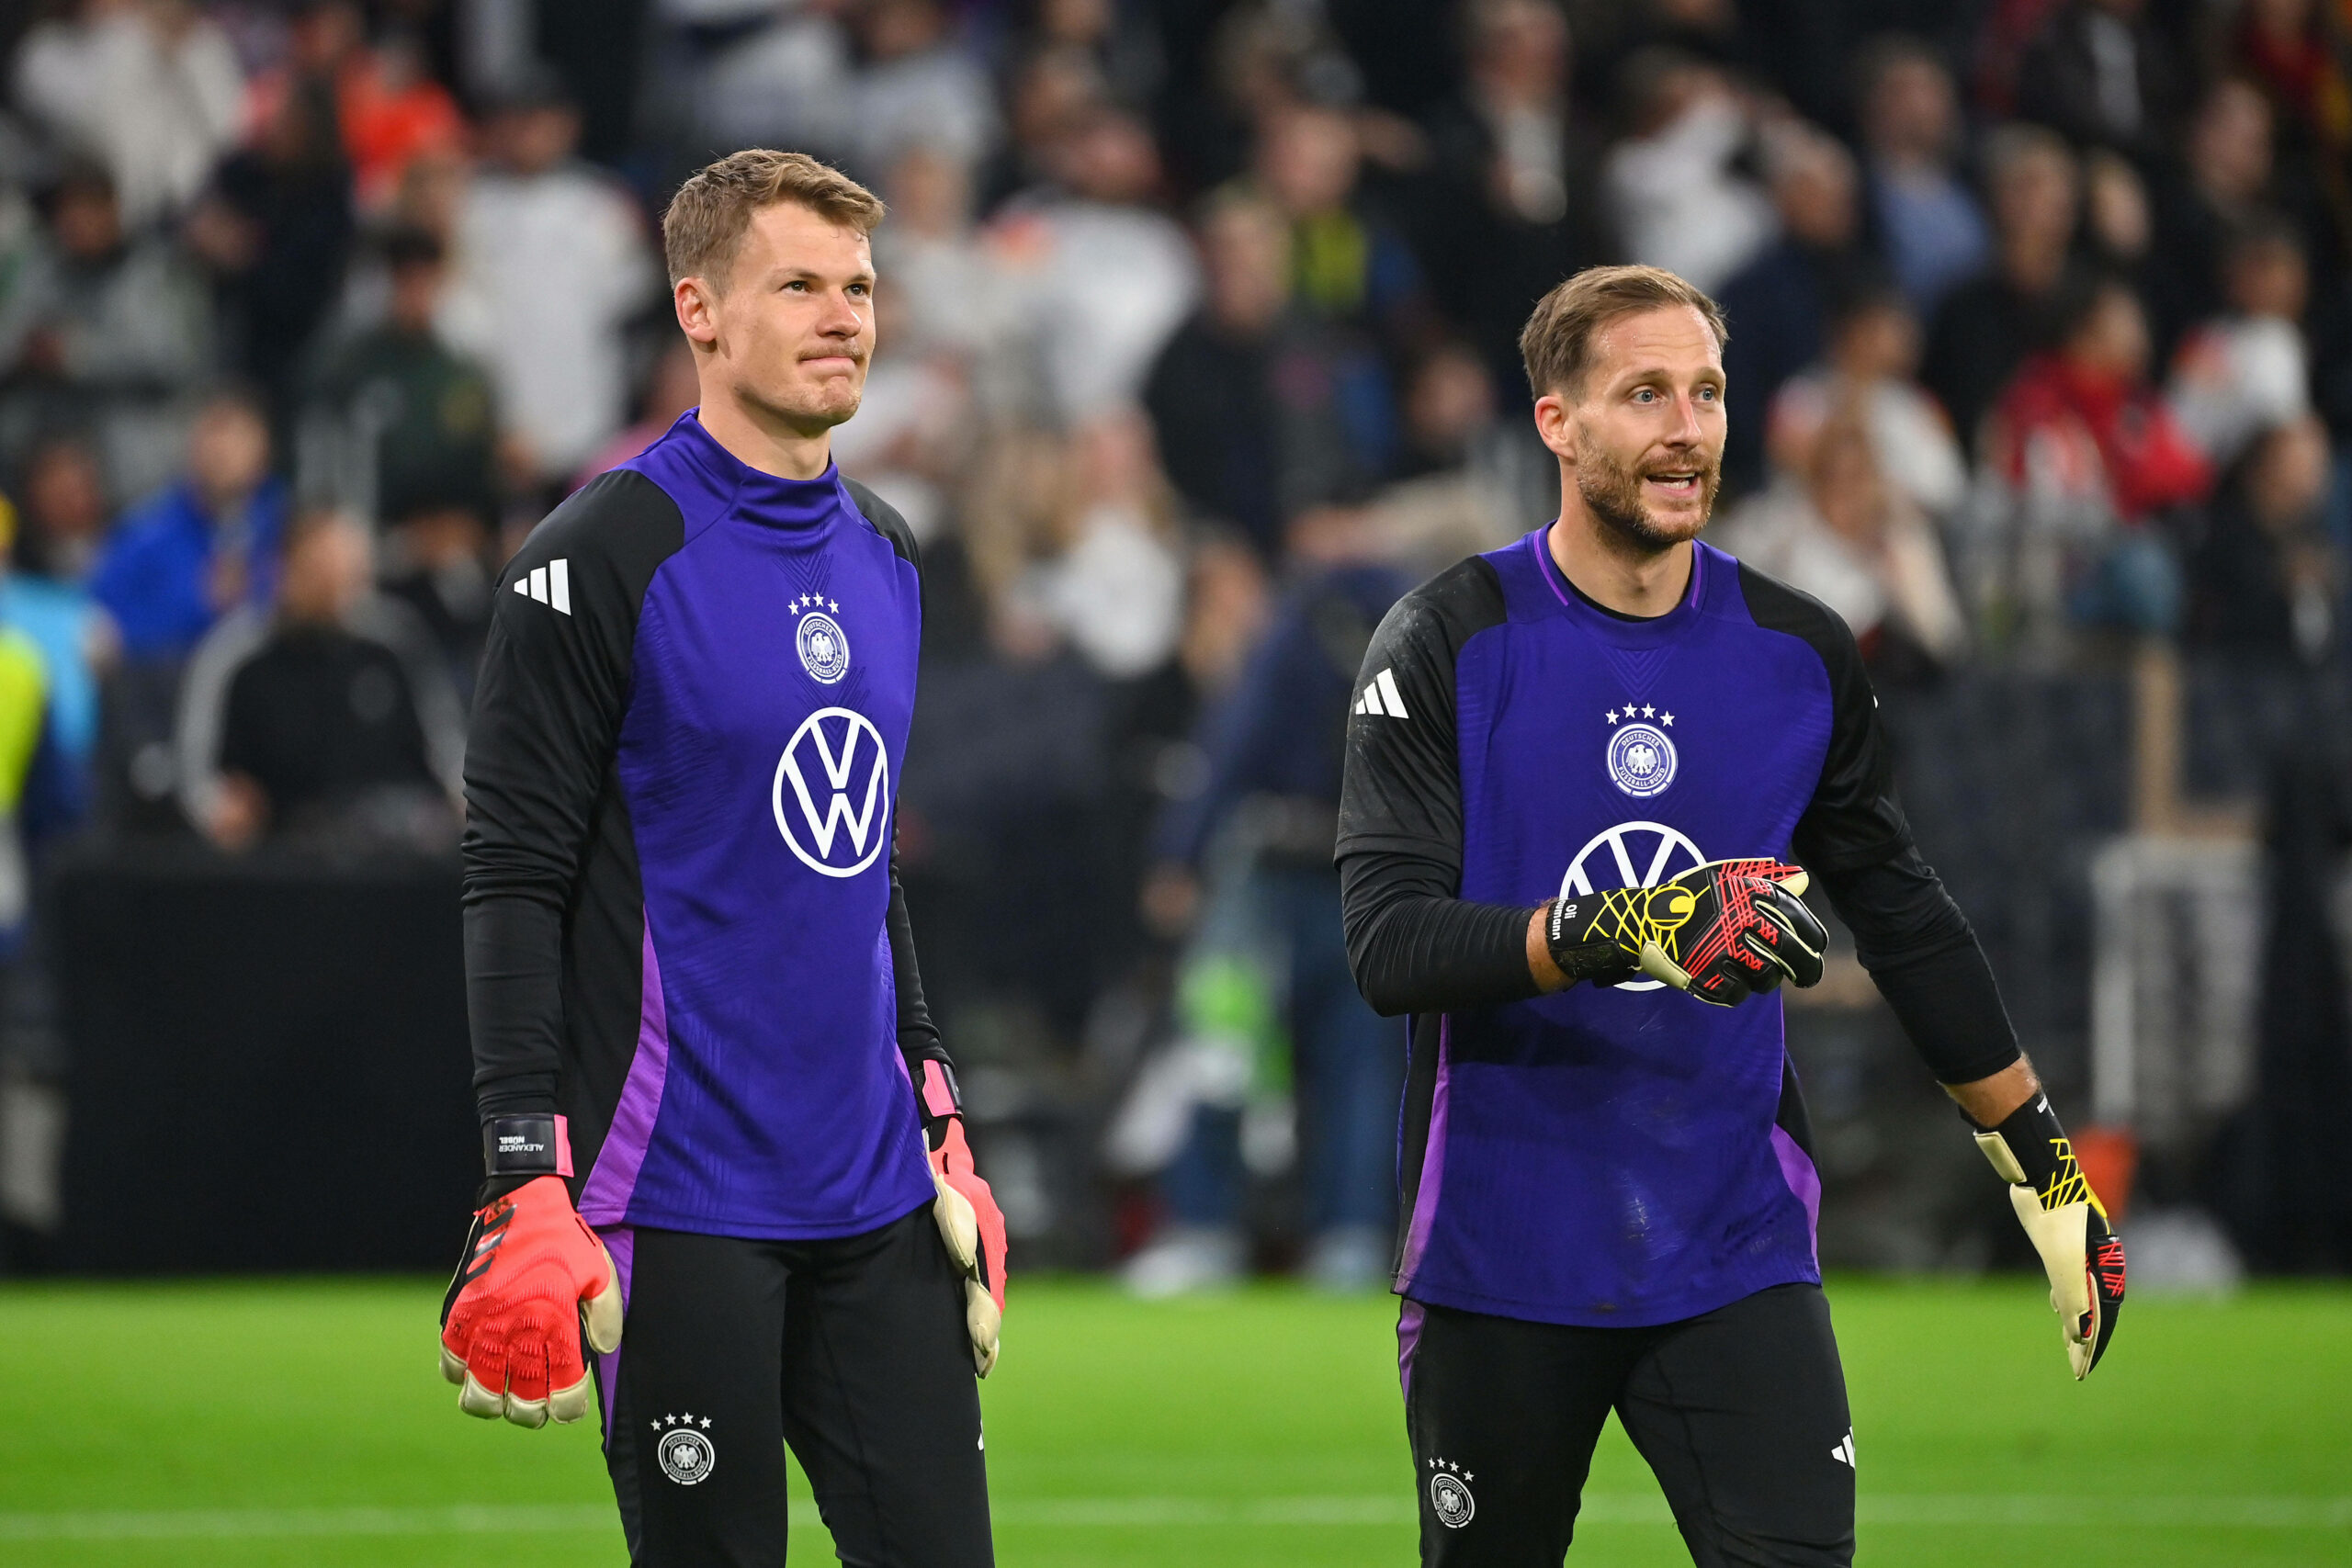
x=759 y=496
x=1652 y=631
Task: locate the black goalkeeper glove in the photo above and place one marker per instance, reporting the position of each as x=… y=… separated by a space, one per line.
x=1723 y=932
x=2066 y=1221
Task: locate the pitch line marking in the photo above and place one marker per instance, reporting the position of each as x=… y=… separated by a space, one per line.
x=1156 y=1513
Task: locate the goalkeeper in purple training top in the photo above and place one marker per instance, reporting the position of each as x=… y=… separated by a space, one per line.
x=722 y=1140
x=1580 y=771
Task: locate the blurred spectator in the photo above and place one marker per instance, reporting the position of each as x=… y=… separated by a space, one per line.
x=387 y=104
x=180 y=560
x=278 y=227
x=767 y=75
x=1471 y=481
x=1050 y=90
x=2101 y=74
x=916 y=86
x=399 y=423
x=1105 y=275
x=672 y=387
x=2229 y=178
x=2246 y=372
x=1835 y=529
x=149 y=88
x=1515 y=205
x=1249 y=398
x=2117 y=227
x=1927 y=219
x=946 y=288
x=106 y=329
x=1115 y=588
x=1986 y=327
x=323 y=732
x=2096 y=460
x=2297 y=53
x=47 y=595
x=1268 y=804
x=1779 y=305
x=1348 y=263
x=1873 y=367
x=1674 y=184
x=914 y=426
x=551 y=263
x=2267 y=580
x=1118 y=41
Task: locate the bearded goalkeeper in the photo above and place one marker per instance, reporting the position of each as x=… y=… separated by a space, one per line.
x=1577 y=768
x=722 y=1141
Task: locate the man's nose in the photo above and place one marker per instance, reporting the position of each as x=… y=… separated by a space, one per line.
x=840 y=320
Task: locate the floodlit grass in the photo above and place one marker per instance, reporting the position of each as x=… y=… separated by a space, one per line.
x=303 y=1422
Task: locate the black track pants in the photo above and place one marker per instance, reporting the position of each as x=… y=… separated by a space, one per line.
x=1741 y=1413
x=852 y=1350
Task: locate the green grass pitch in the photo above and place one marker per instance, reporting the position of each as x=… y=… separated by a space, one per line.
x=303 y=1422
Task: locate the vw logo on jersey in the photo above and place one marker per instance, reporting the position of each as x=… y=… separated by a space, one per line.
x=824 y=650
x=1639 y=855
x=1641 y=759
x=833 y=791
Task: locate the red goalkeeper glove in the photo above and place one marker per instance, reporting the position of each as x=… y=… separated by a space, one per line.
x=970 y=1221
x=535 y=1282
x=1721 y=932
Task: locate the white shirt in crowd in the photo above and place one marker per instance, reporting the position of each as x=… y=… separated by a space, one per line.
x=549 y=268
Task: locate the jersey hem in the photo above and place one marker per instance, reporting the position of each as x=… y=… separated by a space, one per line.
x=749 y=1230
x=1544 y=1312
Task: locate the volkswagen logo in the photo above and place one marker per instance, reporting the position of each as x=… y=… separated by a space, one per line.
x=1640 y=854
x=833 y=791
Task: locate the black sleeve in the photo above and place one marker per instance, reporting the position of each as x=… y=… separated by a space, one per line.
x=918 y=1038
x=539 y=758
x=1854 y=840
x=1413 y=944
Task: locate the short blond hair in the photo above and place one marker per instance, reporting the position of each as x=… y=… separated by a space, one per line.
x=1556 y=344
x=703 y=227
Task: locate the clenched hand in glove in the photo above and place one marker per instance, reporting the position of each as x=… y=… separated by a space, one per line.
x=1721 y=932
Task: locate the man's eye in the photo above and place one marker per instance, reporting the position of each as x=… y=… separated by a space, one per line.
x=1645 y=396
x=1709 y=394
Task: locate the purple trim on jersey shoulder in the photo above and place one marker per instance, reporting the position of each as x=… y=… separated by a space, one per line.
x=605 y=1200
x=1425 y=1194
x=621 y=1242
x=1408 y=1344
x=1805 y=1181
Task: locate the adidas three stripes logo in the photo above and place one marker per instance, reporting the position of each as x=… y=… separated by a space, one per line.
x=549 y=584
x=1382 y=696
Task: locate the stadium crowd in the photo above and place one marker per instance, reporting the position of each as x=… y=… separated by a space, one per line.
x=1198 y=345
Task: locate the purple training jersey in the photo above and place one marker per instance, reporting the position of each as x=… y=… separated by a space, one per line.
x=1620 y=1156
x=686 y=758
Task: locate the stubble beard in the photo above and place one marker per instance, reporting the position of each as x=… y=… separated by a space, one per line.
x=1612 y=493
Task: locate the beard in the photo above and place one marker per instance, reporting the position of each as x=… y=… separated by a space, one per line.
x=1612 y=492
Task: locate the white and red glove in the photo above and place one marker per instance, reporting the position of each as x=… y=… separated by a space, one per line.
x=970 y=1221
x=535 y=1282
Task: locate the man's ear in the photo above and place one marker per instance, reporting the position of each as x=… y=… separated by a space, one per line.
x=1556 y=423
x=696 y=304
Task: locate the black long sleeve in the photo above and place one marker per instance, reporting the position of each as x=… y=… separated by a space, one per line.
x=1924 y=956
x=918 y=1038
x=1413 y=947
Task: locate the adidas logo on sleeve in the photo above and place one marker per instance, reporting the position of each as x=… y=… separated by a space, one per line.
x=1382 y=696
x=549 y=584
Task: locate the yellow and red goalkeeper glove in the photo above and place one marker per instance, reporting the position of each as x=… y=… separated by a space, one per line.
x=970 y=1221
x=535 y=1282
x=2065 y=1222
x=1721 y=932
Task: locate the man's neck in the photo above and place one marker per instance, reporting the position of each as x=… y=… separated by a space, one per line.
x=759 y=440
x=1613 y=572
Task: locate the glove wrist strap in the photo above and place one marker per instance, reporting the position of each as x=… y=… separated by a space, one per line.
x=525 y=1146
x=937 y=1098
x=2031 y=1149
x=1577 y=957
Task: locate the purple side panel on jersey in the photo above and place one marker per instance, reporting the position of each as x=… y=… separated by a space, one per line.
x=1408 y=1341
x=1425 y=1195
x=621 y=1242
x=605 y=1200
x=1797 y=1170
